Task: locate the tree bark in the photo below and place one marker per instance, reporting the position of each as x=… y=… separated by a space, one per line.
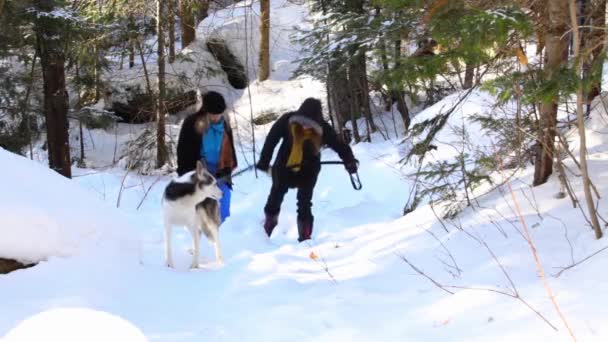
x=131 y=55
x=264 y=40
x=339 y=97
x=556 y=47
x=80 y=128
x=97 y=67
x=171 y=26
x=131 y=40
x=161 y=148
x=593 y=40
x=469 y=75
x=203 y=10
x=399 y=93
x=188 y=31
x=581 y=125
x=52 y=60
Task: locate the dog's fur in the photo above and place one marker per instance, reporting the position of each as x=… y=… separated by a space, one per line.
x=192 y=201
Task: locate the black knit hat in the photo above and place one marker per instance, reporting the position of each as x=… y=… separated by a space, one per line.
x=312 y=109
x=213 y=102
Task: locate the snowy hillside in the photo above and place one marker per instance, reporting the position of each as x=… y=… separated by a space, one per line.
x=368 y=274
x=351 y=281
x=43 y=215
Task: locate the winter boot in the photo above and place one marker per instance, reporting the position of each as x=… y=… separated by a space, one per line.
x=304 y=229
x=270 y=222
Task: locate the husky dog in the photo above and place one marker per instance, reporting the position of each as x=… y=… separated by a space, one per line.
x=192 y=201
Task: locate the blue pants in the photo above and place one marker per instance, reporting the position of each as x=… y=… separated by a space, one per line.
x=226 y=194
x=225 y=200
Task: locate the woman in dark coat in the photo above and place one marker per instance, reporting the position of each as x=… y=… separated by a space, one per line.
x=206 y=135
x=298 y=161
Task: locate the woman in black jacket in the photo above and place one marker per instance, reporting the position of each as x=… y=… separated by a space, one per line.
x=298 y=161
x=206 y=135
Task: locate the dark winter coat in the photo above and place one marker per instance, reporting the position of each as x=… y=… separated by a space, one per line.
x=189 y=146
x=311 y=163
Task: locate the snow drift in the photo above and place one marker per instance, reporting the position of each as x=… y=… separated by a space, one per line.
x=43 y=214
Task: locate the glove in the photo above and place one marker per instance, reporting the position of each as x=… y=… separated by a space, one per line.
x=352 y=166
x=224 y=177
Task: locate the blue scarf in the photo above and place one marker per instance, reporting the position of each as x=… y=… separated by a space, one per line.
x=212 y=144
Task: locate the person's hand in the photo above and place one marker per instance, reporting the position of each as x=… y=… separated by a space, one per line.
x=224 y=177
x=351 y=166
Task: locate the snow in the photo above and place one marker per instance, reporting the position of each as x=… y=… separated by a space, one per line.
x=354 y=286
x=102 y=268
x=74 y=325
x=43 y=215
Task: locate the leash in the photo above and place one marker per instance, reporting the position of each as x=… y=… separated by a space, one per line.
x=240 y=172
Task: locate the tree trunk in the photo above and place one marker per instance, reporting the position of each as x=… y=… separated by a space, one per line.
x=203 y=10
x=52 y=59
x=340 y=96
x=188 y=31
x=593 y=40
x=469 y=75
x=581 y=125
x=131 y=55
x=80 y=129
x=161 y=148
x=540 y=13
x=171 y=25
x=97 y=67
x=399 y=93
x=556 y=46
x=333 y=98
x=131 y=40
x=264 y=40
x=358 y=79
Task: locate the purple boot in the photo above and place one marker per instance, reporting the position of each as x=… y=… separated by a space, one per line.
x=304 y=229
x=270 y=222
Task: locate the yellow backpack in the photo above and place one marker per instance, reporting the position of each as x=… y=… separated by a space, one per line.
x=302 y=130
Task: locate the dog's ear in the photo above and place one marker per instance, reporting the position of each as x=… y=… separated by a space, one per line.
x=199 y=169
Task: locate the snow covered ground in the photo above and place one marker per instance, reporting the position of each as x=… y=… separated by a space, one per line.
x=101 y=274
x=349 y=283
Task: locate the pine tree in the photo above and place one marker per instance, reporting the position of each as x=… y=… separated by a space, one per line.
x=50 y=34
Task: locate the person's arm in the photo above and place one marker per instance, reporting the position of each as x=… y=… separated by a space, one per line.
x=331 y=139
x=236 y=163
x=272 y=139
x=184 y=143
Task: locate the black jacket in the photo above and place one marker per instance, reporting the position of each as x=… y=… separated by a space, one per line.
x=280 y=130
x=189 y=147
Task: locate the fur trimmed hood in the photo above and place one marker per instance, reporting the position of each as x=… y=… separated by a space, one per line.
x=306 y=122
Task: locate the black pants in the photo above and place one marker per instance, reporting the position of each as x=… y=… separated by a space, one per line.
x=282 y=181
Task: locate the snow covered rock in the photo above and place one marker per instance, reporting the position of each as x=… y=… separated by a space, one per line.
x=43 y=214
